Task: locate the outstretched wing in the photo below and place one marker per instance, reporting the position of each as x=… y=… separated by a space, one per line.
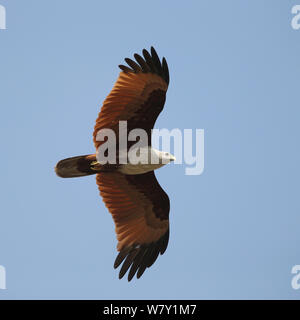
x=140 y=209
x=138 y=96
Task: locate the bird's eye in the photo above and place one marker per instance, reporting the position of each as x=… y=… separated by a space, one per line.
x=167 y=153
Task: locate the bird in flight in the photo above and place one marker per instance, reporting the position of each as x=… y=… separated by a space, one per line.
x=139 y=206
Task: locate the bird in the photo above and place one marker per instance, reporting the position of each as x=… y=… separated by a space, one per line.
x=138 y=204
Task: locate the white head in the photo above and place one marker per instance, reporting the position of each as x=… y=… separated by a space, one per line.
x=150 y=156
x=161 y=157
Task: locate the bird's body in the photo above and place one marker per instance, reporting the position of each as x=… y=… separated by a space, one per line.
x=139 y=206
x=150 y=160
x=139 y=168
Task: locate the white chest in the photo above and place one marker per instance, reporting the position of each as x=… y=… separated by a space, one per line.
x=138 y=168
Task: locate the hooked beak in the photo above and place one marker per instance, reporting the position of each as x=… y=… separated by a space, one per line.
x=172 y=158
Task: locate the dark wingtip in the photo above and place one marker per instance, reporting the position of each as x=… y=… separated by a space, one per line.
x=145 y=52
x=150 y=62
x=153 y=50
x=135 y=67
x=156 y=61
x=125 y=68
x=165 y=70
x=138 y=258
x=142 y=63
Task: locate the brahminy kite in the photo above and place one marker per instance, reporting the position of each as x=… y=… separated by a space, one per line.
x=139 y=206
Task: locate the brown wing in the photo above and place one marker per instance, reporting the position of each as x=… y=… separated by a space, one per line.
x=138 y=96
x=140 y=209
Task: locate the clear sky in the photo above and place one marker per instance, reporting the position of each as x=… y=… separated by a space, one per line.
x=234 y=68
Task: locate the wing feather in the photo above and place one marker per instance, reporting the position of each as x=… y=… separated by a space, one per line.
x=138 y=96
x=143 y=230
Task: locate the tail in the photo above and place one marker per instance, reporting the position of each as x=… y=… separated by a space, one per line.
x=79 y=166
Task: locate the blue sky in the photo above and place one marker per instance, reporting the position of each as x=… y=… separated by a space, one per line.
x=234 y=68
